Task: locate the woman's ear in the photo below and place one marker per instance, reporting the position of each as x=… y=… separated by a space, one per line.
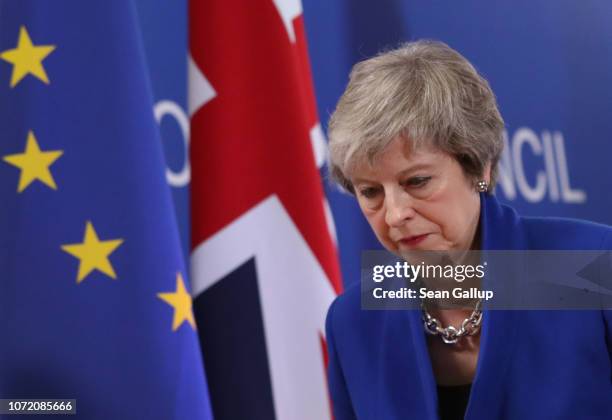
x=486 y=175
x=483 y=182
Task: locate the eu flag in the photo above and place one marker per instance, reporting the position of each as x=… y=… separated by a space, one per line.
x=94 y=301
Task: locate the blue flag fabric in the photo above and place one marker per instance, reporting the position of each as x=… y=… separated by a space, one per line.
x=93 y=290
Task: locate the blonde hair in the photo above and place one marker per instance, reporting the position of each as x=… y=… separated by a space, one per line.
x=422 y=92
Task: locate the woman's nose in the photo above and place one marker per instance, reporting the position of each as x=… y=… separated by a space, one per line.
x=399 y=207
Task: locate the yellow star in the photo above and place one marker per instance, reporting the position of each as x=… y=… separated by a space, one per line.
x=34 y=164
x=93 y=253
x=180 y=300
x=27 y=58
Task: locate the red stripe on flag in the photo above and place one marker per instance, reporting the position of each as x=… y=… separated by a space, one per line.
x=252 y=140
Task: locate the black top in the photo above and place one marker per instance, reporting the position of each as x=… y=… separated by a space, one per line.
x=452 y=401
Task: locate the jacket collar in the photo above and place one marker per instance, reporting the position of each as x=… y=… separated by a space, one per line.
x=500 y=225
x=501 y=229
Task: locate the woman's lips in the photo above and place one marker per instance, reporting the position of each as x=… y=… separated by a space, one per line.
x=412 y=241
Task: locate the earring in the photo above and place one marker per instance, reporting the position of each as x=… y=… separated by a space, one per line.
x=482 y=186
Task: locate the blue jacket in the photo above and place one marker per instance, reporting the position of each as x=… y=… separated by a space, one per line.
x=532 y=364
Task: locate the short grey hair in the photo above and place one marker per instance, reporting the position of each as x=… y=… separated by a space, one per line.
x=425 y=93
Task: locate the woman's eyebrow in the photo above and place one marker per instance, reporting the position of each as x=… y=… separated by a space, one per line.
x=416 y=167
x=362 y=181
x=411 y=168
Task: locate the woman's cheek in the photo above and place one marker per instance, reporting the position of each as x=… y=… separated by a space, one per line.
x=447 y=234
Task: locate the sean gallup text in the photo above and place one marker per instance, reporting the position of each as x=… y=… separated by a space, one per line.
x=424 y=293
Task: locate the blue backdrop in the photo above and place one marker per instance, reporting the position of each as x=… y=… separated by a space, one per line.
x=549 y=63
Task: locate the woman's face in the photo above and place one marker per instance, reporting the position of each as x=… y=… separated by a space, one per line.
x=418 y=200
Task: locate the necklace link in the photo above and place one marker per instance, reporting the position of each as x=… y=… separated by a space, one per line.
x=450 y=334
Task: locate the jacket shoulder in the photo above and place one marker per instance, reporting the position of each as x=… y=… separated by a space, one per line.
x=348 y=322
x=346 y=307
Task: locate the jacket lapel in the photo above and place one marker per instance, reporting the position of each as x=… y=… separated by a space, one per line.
x=501 y=229
x=408 y=386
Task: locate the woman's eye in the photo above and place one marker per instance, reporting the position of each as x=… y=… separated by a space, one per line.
x=417 y=181
x=368 y=192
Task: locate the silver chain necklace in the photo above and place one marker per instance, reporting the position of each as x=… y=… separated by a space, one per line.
x=450 y=334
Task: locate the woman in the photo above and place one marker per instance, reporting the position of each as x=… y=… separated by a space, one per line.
x=416 y=137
